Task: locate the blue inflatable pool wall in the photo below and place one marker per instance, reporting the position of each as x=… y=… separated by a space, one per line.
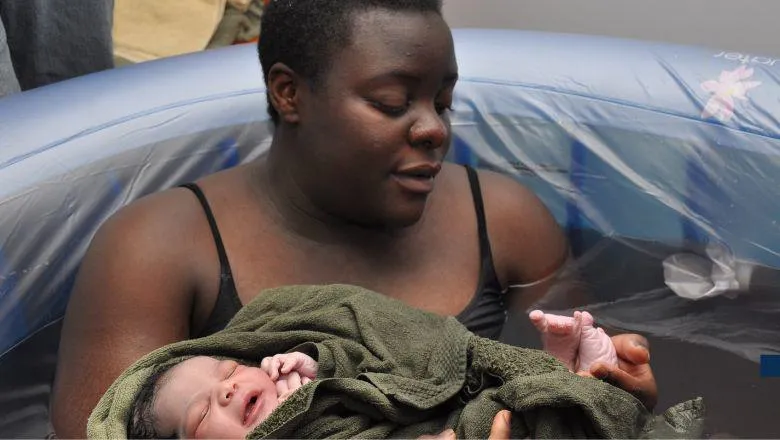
x=648 y=142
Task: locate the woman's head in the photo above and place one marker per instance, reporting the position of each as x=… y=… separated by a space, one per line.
x=305 y=34
x=361 y=91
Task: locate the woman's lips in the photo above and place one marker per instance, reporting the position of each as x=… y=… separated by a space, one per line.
x=418 y=177
x=414 y=184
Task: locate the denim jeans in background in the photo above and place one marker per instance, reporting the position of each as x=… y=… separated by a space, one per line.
x=53 y=40
x=8 y=82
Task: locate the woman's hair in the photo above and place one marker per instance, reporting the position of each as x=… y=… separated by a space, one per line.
x=305 y=34
x=142 y=420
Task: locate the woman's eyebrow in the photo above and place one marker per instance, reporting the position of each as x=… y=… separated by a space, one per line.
x=398 y=75
x=410 y=78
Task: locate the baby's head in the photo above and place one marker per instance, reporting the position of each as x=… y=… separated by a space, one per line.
x=203 y=397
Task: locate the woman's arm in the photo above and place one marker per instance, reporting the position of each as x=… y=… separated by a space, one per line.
x=529 y=248
x=131 y=297
x=530 y=251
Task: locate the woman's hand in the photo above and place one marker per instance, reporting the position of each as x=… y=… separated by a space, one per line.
x=633 y=373
x=502 y=426
x=500 y=430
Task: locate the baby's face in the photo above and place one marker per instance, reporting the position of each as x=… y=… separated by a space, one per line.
x=204 y=397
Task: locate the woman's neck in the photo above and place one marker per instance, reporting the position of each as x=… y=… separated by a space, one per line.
x=273 y=179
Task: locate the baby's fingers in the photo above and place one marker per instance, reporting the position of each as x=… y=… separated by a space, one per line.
x=288 y=363
x=282 y=387
x=275 y=365
x=294 y=381
x=265 y=365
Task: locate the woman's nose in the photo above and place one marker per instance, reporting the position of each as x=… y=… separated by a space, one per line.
x=430 y=131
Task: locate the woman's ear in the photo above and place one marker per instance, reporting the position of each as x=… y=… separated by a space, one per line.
x=284 y=92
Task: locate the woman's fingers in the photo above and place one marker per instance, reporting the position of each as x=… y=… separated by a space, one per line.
x=636 y=379
x=502 y=426
x=632 y=348
x=448 y=434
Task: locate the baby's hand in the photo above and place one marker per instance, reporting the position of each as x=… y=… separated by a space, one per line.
x=295 y=362
x=288 y=384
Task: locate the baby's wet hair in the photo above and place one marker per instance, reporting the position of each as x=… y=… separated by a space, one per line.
x=142 y=420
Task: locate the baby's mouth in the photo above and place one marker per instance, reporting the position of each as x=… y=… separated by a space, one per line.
x=250 y=406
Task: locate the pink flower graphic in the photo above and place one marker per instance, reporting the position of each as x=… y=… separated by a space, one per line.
x=729 y=86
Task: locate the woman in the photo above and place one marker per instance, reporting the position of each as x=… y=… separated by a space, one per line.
x=353 y=190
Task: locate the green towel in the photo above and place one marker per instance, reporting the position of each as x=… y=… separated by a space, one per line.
x=388 y=370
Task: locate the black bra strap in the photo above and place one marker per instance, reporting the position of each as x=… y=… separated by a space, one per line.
x=223 y=260
x=476 y=193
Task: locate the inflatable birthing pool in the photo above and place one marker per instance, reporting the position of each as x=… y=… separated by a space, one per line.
x=660 y=161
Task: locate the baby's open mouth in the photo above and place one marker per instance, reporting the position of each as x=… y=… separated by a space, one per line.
x=250 y=406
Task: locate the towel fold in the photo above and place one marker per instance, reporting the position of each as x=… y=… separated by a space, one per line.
x=388 y=370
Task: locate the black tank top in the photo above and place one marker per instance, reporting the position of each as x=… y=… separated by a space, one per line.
x=485 y=315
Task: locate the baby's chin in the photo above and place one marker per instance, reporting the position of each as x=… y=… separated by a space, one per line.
x=267 y=411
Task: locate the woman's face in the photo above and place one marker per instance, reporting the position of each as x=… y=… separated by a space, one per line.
x=375 y=129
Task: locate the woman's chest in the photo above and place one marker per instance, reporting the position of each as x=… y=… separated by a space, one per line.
x=440 y=276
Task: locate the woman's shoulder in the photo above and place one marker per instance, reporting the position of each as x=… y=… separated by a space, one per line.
x=173 y=210
x=512 y=211
x=167 y=212
x=525 y=238
x=497 y=190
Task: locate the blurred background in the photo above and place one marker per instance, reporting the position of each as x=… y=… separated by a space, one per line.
x=739 y=25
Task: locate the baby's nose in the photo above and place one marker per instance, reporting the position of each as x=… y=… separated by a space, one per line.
x=226 y=393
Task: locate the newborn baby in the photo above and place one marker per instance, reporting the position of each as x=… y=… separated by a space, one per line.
x=574 y=340
x=378 y=368
x=204 y=397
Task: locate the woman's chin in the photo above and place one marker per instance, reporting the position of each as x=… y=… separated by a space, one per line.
x=404 y=218
x=395 y=214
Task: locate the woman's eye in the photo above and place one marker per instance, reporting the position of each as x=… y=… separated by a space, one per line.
x=391 y=110
x=441 y=108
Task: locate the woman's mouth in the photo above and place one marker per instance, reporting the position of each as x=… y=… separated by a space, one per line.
x=414 y=183
x=417 y=178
